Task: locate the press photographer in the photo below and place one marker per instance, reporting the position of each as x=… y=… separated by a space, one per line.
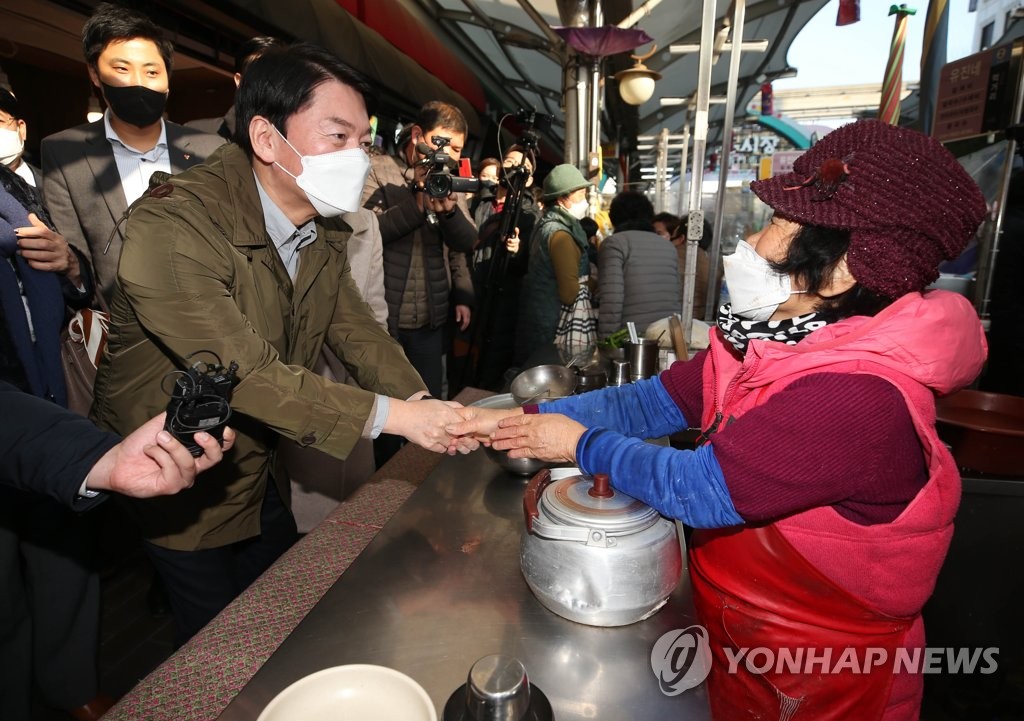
x=501 y=258
x=420 y=255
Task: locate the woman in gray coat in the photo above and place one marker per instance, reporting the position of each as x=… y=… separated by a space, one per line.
x=639 y=278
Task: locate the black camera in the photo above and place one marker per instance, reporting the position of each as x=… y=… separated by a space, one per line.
x=440 y=182
x=200 y=401
x=534 y=121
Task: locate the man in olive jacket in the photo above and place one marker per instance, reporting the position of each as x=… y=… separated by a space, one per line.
x=229 y=261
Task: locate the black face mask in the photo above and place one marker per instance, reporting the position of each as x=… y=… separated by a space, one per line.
x=135 y=104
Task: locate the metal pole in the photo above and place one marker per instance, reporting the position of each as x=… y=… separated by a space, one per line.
x=738 y=19
x=695 y=223
x=538 y=19
x=570 y=153
x=661 y=171
x=983 y=291
x=645 y=9
x=594 y=145
x=682 y=163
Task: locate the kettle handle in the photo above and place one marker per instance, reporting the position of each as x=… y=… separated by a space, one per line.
x=532 y=494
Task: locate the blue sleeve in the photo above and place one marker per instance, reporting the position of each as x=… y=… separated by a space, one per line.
x=688 y=485
x=643 y=409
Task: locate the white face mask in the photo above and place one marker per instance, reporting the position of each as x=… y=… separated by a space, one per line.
x=333 y=182
x=11 y=146
x=755 y=289
x=579 y=209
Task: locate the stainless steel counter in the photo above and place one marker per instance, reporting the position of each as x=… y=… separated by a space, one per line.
x=440 y=587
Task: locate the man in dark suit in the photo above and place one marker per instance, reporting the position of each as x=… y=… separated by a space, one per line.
x=93 y=172
x=247 y=52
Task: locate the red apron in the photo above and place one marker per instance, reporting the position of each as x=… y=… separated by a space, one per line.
x=753 y=590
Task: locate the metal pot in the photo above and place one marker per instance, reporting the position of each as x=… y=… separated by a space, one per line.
x=543 y=383
x=594 y=555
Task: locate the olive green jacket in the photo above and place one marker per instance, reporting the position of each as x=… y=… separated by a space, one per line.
x=198 y=273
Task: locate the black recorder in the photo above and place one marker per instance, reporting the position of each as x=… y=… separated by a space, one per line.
x=200 y=401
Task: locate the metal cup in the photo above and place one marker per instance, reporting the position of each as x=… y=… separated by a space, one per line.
x=497 y=689
x=643 y=358
x=620 y=372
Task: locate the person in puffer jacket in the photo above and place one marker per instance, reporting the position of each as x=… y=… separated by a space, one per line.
x=822 y=497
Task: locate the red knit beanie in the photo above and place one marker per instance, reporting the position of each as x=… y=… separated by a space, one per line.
x=905 y=199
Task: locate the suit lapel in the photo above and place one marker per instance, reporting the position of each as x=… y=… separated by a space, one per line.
x=179 y=148
x=100 y=157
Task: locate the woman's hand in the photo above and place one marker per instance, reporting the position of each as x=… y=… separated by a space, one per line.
x=480 y=423
x=548 y=436
x=512 y=243
x=45 y=249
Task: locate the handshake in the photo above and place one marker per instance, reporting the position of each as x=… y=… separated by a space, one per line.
x=449 y=427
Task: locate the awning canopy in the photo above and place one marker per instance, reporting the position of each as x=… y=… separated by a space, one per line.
x=404 y=81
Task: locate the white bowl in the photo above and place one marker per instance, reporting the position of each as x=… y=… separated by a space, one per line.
x=357 y=691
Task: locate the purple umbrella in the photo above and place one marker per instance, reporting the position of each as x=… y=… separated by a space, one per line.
x=603 y=41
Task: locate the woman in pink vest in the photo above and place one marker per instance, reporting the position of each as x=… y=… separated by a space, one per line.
x=822 y=496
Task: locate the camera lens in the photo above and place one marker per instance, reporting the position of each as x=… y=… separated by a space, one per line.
x=439 y=185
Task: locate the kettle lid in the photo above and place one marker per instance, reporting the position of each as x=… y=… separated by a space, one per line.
x=591 y=502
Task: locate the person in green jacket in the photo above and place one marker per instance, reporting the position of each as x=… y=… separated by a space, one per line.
x=230 y=260
x=558 y=259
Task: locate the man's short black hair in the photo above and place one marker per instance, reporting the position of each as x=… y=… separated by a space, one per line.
x=9 y=103
x=281 y=81
x=252 y=49
x=110 y=23
x=633 y=208
x=438 y=114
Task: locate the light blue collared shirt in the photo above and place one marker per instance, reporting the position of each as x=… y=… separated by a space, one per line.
x=289 y=240
x=134 y=166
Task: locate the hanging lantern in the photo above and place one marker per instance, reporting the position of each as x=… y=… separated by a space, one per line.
x=636 y=84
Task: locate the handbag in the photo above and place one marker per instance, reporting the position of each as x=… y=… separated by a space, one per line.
x=81 y=348
x=576 y=331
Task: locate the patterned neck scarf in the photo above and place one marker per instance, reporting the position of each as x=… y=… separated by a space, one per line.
x=790 y=331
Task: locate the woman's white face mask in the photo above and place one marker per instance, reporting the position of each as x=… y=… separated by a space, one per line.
x=579 y=209
x=755 y=289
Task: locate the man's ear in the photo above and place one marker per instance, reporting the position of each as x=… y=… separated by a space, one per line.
x=262 y=135
x=94 y=75
x=842 y=280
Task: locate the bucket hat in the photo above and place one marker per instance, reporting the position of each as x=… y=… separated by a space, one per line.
x=562 y=180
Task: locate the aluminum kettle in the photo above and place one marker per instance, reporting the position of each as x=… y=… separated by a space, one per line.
x=594 y=555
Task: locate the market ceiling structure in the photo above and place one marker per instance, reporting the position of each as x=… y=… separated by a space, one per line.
x=517 y=65
x=496 y=57
x=490 y=56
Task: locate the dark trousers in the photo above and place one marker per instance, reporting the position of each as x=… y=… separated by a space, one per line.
x=200 y=584
x=49 y=605
x=424 y=347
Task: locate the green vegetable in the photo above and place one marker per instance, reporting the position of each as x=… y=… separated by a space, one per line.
x=616 y=339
